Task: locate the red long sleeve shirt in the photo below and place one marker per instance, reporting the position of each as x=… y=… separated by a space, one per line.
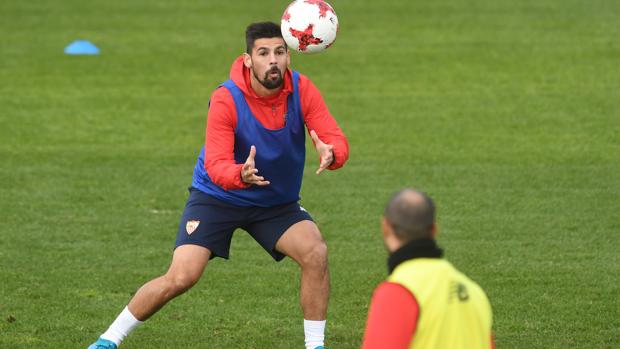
x=392 y=318
x=269 y=111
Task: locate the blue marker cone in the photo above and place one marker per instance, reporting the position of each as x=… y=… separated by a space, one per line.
x=81 y=47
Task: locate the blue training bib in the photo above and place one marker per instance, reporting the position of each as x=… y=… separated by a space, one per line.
x=280 y=154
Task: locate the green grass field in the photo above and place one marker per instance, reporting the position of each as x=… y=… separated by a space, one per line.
x=506 y=112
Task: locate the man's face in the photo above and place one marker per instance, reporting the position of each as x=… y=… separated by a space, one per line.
x=268 y=62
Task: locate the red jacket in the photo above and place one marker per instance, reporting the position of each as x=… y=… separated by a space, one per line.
x=392 y=318
x=222 y=121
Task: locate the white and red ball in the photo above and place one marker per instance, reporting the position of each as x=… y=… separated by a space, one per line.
x=309 y=26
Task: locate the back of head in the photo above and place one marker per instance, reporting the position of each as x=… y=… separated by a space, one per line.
x=260 y=30
x=411 y=214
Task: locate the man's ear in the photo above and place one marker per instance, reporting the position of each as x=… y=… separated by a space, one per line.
x=434 y=230
x=247 y=60
x=386 y=228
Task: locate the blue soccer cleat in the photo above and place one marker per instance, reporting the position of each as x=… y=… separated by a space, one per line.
x=103 y=344
x=319 y=347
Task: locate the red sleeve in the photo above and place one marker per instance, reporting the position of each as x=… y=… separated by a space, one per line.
x=220 y=142
x=392 y=318
x=318 y=118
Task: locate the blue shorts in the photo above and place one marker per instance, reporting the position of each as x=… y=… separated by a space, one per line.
x=210 y=222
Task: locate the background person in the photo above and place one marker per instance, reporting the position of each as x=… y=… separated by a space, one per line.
x=425 y=302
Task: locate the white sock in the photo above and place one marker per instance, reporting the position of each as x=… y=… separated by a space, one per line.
x=315 y=333
x=121 y=327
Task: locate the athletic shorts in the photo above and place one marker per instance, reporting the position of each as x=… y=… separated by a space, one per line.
x=210 y=222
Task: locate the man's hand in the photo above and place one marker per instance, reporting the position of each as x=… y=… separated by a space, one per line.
x=326 y=154
x=248 y=171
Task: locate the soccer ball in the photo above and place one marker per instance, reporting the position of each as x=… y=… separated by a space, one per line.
x=309 y=26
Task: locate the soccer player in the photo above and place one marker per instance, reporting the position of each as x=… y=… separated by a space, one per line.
x=425 y=302
x=248 y=175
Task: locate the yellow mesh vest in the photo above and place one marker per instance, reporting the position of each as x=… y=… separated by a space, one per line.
x=454 y=311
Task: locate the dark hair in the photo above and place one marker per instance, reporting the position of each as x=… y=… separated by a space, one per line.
x=411 y=214
x=260 y=30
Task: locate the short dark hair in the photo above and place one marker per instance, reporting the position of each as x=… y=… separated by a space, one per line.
x=411 y=214
x=261 y=30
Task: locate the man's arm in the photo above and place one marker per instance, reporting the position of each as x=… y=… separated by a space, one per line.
x=392 y=318
x=318 y=119
x=220 y=142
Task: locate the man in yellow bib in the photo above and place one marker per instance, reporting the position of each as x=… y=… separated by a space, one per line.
x=425 y=302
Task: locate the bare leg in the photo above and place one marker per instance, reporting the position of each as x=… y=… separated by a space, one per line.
x=188 y=263
x=304 y=244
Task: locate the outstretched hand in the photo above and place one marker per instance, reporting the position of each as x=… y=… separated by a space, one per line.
x=326 y=153
x=249 y=171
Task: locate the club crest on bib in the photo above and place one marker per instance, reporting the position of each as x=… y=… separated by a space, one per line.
x=191 y=226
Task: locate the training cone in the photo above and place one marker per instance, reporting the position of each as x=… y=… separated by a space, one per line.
x=81 y=47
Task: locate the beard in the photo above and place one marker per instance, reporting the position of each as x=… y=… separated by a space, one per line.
x=269 y=83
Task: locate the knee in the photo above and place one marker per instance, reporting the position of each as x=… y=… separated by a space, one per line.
x=181 y=282
x=316 y=256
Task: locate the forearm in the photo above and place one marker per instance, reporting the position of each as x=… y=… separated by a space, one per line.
x=341 y=153
x=226 y=174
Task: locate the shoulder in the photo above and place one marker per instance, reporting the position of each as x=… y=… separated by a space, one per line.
x=468 y=281
x=394 y=303
x=476 y=290
x=220 y=93
x=221 y=98
x=305 y=84
x=309 y=94
x=393 y=293
x=222 y=108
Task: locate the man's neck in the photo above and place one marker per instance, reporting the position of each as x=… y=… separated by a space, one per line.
x=421 y=248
